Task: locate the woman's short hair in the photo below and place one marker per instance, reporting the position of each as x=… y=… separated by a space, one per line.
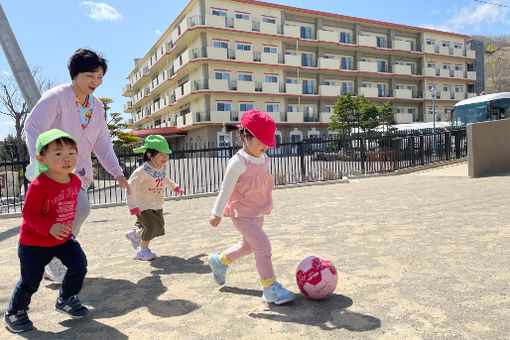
x=84 y=60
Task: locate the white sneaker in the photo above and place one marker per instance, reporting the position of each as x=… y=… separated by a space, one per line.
x=55 y=271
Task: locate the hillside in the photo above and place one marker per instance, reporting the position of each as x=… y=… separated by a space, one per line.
x=497 y=63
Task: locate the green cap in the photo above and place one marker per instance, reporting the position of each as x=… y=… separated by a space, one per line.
x=44 y=139
x=156 y=142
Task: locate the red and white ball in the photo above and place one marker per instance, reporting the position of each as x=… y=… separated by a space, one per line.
x=316 y=277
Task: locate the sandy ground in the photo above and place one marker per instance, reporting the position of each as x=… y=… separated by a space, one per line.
x=419 y=256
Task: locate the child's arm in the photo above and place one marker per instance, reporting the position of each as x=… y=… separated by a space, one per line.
x=235 y=168
x=135 y=181
x=36 y=202
x=173 y=186
x=60 y=231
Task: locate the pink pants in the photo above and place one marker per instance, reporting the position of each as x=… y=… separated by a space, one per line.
x=255 y=240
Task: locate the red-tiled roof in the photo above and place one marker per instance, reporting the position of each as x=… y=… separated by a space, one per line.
x=165 y=131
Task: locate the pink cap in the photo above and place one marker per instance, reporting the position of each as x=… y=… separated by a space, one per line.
x=260 y=125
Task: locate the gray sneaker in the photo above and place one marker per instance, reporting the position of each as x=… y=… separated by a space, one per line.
x=18 y=322
x=135 y=240
x=55 y=271
x=72 y=307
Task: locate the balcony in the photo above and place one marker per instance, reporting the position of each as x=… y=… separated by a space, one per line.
x=402 y=69
x=215 y=21
x=217 y=53
x=269 y=58
x=428 y=94
x=330 y=63
x=458 y=73
x=403 y=93
x=293 y=88
x=329 y=90
x=444 y=50
x=270 y=87
x=444 y=72
x=430 y=49
x=267 y=28
x=401 y=45
x=430 y=72
x=246 y=56
x=219 y=84
x=457 y=52
x=292 y=60
x=471 y=75
x=365 y=40
x=246 y=86
x=404 y=117
x=291 y=31
x=371 y=92
x=365 y=66
x=328 y=36
x=128 y=106
x=470 y=53
x=242 y=25
x=295 y=117
x=325 y=117
x=126 y=90
x=459 y=96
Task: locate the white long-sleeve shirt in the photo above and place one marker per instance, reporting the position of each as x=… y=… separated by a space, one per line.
x=56 y=109
x=147 y=186
x=236 y=167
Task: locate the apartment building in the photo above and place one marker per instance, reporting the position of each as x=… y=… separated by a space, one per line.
x=220 y=58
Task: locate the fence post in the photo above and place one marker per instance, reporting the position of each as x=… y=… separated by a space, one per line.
x=457 y=144
x=422 y=150
x=301 y=147
x=361 y=142
x=448 y=145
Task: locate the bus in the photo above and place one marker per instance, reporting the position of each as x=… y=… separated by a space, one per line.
x=481 y=108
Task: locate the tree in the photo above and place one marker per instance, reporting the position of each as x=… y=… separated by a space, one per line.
x=9 y=151
x=13 y=105
x=349 y=113
x=386 y=116
x=120 y=138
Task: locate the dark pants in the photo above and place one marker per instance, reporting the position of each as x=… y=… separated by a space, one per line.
x=34 y=259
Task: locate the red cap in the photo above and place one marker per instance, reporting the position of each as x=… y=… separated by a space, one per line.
x=261 y=126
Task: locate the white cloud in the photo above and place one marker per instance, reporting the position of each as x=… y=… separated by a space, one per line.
x=473 y=18
x=7 y=73
x=100 y=11
x=158 y=32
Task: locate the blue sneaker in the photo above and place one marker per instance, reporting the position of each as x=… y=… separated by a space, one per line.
x=277 y=294
x=18 y=322
x=72 y=307
x=217 y=268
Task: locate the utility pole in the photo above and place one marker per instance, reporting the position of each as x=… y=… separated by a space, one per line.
x=17 y=62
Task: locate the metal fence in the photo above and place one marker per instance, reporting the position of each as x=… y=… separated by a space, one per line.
x=201 y=170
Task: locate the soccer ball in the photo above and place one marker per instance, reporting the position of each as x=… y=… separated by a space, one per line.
x=316 y=277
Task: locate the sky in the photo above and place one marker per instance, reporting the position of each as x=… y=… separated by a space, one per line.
x=49 y=31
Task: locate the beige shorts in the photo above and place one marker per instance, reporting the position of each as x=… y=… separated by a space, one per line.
x=152 y=223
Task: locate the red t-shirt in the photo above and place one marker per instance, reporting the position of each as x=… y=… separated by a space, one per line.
x=48 y=202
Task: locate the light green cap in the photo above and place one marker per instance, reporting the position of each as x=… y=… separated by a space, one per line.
x=44 y=139
x=156 y=142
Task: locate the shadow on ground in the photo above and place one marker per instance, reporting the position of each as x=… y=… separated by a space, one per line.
x=165 y=265
x=327 y=314
x=9 y=233
x=78 y=329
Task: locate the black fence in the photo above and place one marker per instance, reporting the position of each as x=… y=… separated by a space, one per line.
x=201 y=170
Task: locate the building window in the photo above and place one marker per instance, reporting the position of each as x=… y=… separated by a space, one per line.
x=306 y=32
x=346 y=88
x=446 y=44
x=223 y=106
x=457 y=45
x=459 y=67
x=381 y=90
x=345 y=37
x=430 y=42
x=221 y=75
x=243 y=46
x=306 y=59
x=269 y=20
x=329 y=83
x=270 y=78
x=220 y=44
x=270 y=49
x=243 y=107
x=292 y=108
x=459 y=89
x=219 y=12
x=345 y=63
x=291 y=81
x=381 y=42
x=272 y=107
x=241 y=76
x=242 y=16
x=431 y=65
x=447 y=67
x=308 y=87
x=381 y=66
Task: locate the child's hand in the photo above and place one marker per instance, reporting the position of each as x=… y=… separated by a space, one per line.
x=60 y=231
x=214 y=220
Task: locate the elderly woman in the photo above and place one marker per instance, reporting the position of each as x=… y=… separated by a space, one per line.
x=74 y=109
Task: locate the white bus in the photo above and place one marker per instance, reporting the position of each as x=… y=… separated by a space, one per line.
x=481 y=108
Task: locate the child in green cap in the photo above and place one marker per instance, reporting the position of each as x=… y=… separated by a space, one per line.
x=48 y=216
x=147 y=184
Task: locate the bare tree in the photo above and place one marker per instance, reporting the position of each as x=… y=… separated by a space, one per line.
x=13 y=105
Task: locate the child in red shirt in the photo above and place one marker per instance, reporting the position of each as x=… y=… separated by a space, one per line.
x=48 y=215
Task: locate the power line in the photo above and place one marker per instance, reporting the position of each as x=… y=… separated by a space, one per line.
x=492 y=3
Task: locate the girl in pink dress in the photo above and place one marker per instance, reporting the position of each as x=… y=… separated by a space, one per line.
x=246 y=196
